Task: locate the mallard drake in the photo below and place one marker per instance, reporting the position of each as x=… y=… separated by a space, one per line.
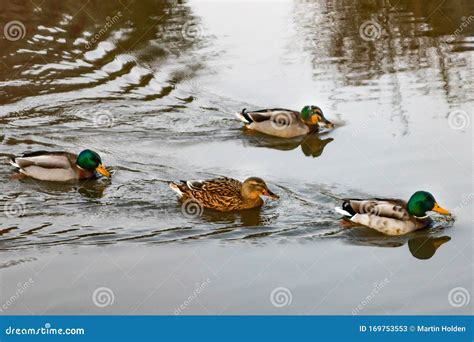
x=60 y=166
x=285 y=123
x=392 y=216
x=224 y=194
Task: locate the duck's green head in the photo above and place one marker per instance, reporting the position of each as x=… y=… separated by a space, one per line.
x=90 y=160
x=313 y=115
x=421 y=202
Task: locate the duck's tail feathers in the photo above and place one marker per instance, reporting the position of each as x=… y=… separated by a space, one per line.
x=175 y=188
x=346 y=209
x=244 y=117
x=342 y=212
x=14 y=164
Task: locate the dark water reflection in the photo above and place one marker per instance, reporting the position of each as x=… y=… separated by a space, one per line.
x=425 y=247
x=312 y=145
x=422 y=244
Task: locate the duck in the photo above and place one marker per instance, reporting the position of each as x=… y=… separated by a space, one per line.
x=285 y=123
x=224 y=194
x=392 y=216
x=60 y=166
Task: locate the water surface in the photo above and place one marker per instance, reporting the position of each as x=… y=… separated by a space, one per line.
x=152 y=86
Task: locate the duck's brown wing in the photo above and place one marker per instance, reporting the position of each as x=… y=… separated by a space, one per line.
x=221 y=185
x=220 y=193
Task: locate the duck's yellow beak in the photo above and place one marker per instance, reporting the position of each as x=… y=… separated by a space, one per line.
x=440 y=210
x=101 y=169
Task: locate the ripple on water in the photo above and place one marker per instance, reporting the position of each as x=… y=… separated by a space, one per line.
x=151 y=87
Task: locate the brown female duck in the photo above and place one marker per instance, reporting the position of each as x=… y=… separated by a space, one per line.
x=224 y=194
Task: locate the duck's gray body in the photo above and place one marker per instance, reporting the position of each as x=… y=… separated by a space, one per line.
x=388 y=216
x=280 y=122
x=50 y=166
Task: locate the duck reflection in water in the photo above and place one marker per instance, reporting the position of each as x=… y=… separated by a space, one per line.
x=246 y=218
x=93 y=189
x=311 y=145
x=422 y=246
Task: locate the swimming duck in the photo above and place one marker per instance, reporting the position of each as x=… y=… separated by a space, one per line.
x=392 y=216
x=285 y=123
x=224 y=194
x=60 y=166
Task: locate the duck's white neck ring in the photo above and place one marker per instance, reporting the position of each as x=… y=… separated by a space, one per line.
x=421 y=217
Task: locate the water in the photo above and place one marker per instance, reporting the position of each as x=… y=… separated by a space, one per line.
x=152 y=87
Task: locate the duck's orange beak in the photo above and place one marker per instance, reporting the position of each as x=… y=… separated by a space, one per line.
x=322 y=122
x=270 y=194
x=101 y=169
x=440 y=210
